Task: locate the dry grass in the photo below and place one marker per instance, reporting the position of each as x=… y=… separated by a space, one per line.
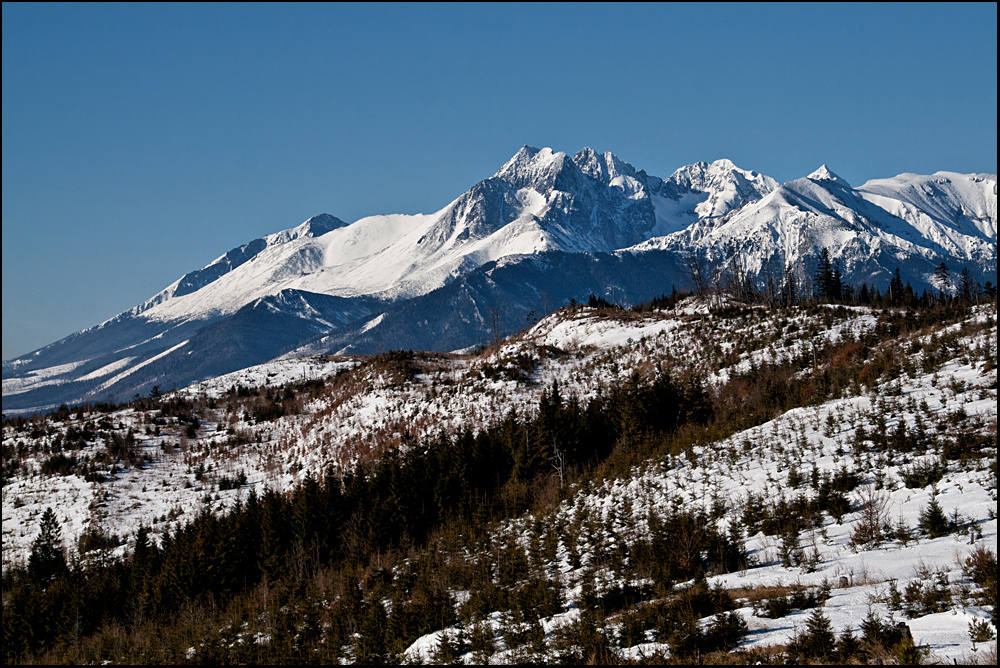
x=755 y=594
x=986 y=655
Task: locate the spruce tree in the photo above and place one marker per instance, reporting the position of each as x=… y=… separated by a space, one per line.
x=836 y=283
x=967 y=285
x=933 y=521
x=141 y=552
x=47 y=561
x=819 y=641
x=848 y=647
x=896 y=288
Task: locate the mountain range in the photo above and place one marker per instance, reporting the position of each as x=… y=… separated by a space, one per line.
x=545 y=229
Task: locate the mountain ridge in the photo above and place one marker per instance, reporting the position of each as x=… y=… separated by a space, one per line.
x=593 y=221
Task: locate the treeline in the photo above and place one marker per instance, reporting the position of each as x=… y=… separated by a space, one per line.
x=790 y=285
x=827 y=286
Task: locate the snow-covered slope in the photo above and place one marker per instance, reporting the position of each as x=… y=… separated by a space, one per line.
x=941 y=388
x=958 y=212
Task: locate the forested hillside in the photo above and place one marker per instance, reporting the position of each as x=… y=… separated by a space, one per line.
x=693 y=479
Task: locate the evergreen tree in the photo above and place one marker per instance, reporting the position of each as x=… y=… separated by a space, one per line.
x=848 y=647
x=370 y=648
x=275 y=533
x=967 y=286
x=836 y=283
x=482 y=642
x=818 y=641
x=823 y=278
x=933 y=521
x=789 y=292
x=770 y=285
x=791 y=551
x=941 y=274
x=896 y=289
x=143 y=552
x=47 y=560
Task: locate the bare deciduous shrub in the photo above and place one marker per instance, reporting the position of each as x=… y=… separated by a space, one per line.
x=873 y=520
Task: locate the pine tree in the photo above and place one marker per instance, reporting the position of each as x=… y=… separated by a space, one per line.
x=47 y=561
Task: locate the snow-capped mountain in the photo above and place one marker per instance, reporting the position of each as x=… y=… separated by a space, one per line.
x=912 y=222
x=538 y=201
x=706 y=191
x=544 y=229
x=957 y=212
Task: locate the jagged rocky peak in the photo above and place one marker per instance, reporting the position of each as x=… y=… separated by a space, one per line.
x=719 y=187
x=605 y=167
x=824 y=173
x=717 y=175
x=523 y=156
x=533 y=167
x=610 y=170
x=544 y=170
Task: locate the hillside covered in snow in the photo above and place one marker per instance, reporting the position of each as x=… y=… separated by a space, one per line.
x=686 y=480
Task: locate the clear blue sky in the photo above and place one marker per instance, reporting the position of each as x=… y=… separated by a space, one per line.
x=142 y=141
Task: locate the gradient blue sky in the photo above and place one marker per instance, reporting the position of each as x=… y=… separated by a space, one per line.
x=142 y=141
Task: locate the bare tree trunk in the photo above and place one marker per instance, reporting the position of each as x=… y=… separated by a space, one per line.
x=494 y=316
